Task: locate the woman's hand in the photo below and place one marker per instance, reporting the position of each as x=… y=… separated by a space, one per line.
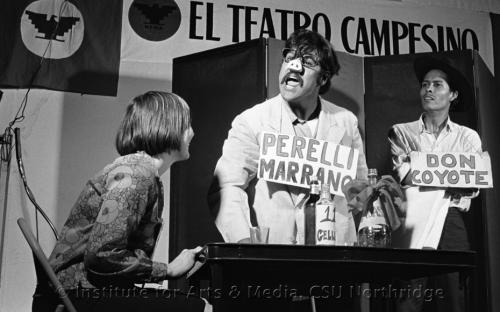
x=182 y=263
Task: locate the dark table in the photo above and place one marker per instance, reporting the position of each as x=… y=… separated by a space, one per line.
x=236 y=276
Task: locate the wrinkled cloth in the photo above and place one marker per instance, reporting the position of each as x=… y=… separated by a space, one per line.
x=360 y=196
x=425 y=216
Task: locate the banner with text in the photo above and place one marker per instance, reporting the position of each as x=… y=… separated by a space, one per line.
x=364 y=28
x=451 y=169
x=293 y=160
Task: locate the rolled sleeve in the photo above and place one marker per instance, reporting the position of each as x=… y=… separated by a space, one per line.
x=399 y=154
x=462 y=203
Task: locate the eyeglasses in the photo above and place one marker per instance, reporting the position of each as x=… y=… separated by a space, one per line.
x=307 y=60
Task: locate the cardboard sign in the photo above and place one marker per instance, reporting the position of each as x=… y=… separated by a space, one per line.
x=293 y=160
x=451 y=169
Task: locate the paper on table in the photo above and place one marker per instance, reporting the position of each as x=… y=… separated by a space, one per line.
x=425 y=215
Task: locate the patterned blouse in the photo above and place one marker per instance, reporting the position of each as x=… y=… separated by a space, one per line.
x=110 y=235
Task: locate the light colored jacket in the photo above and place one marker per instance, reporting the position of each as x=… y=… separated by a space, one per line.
x=239 y=199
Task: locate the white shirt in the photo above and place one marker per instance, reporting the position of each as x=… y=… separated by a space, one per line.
x=413 y=136
x=427 y=207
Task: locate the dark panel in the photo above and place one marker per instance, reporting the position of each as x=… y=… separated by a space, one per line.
x=489 y=128
x=217 y=84
x=347 y=87
x=274 y=60
x=391 y=97
x=493 y=229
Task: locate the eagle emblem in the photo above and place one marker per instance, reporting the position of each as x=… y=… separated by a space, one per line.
x=155 y=13
x=154 y=20
x=51 y=28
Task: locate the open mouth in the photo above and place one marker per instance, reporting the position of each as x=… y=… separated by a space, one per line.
x=292 y=80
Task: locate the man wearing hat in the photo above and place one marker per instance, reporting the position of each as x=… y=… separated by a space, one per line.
x=437 y=223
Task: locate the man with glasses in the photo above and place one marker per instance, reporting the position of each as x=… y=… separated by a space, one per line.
x=238 y=198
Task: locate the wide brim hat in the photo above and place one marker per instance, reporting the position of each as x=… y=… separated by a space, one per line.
x=422 y=65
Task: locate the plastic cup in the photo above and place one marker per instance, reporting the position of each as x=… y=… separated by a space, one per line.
x=259 y=234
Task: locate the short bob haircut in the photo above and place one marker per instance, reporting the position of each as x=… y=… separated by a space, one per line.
x=307 y=41
x=154 y=123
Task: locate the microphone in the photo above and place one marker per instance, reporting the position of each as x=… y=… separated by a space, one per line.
x=17 y=136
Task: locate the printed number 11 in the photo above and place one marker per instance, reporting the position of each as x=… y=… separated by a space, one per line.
x=327 y=213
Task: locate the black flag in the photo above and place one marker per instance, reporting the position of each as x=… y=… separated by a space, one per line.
x=79 y=42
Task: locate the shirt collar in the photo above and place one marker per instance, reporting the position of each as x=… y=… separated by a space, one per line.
x=295 y=120
x=450 y=125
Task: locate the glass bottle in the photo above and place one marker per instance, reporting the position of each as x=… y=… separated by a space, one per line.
x=325 y=218
x=310 y=212
x=374 y=231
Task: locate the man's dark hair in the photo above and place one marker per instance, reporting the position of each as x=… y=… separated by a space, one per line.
x=456 y=80
x=307 y=41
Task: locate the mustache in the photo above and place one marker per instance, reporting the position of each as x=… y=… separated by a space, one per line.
x=295 y=76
